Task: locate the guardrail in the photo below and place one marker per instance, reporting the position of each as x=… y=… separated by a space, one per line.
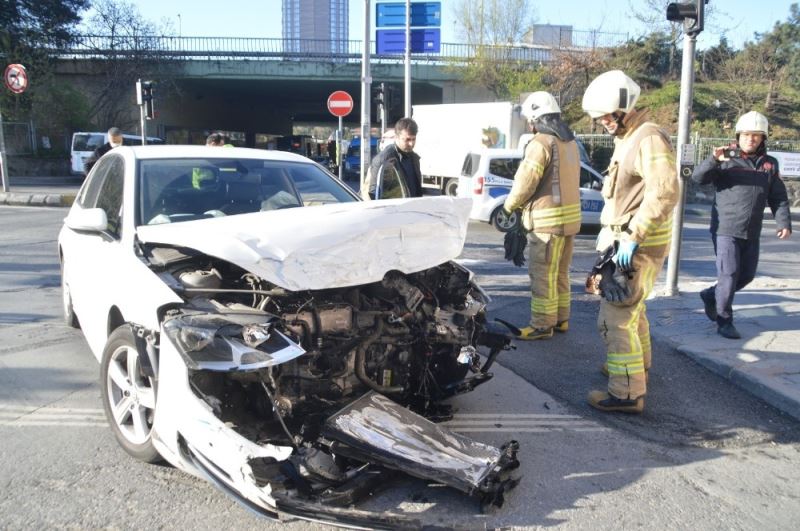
x=245 y=48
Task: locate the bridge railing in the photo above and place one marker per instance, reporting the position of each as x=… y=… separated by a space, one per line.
x=249 y=48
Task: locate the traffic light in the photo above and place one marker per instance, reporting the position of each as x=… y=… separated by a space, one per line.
x=379 y=95
x=691 y=13
x=144 y=96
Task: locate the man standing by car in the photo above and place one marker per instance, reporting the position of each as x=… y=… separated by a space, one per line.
x=114 y=140
x=546 y=189
x=640 y=193
x=746 y=179
x=401 y=156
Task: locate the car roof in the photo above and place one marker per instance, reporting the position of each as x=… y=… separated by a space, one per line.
x=185 y=151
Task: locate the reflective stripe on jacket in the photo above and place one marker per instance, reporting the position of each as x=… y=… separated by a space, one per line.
x=546 y=186
x=641 y=188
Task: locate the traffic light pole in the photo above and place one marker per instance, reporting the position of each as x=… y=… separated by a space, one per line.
x=4 y=175
x=366 y=83
x=684 y=121
x=407 y=74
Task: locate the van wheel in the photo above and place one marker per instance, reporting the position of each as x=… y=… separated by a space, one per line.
x=451 y=187
x=129 y=395
x=502 y=222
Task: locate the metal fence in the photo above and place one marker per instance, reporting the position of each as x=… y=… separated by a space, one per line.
x=601 y=147
x=245 y=48
x=18 y=138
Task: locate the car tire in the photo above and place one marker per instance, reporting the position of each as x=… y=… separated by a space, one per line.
x=66 y=303
x=129 y=396
x=451 y=187
x=502 y=222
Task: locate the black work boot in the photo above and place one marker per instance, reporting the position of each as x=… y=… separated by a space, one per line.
x=727 y=330
x=606 y=402
x=709 y=303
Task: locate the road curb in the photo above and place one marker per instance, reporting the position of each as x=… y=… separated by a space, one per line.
x=754 y=383
x=29 y=199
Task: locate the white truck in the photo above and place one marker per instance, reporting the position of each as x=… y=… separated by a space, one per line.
x=447 y=132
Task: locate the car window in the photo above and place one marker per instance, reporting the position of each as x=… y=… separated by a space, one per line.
x=172 y=190
x=90 y=190
x=504 y=167
x=589 y=180
x=109 y=197
x=471 y=163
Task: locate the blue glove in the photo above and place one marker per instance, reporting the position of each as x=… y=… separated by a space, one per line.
x=624 y=257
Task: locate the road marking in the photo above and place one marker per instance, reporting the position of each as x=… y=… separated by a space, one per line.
x=27 y=416
x=520 y=423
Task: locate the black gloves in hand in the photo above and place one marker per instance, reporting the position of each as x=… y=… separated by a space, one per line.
x=614 y=283
x=514 y=244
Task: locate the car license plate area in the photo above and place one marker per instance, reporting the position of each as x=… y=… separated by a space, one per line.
x=591 y=205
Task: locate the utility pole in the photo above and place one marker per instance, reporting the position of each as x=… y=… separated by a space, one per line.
x=407 y=93
x=691 y=13
x=366 y=84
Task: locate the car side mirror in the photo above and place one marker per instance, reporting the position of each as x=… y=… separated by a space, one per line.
x=87 y=220
x=389 y=184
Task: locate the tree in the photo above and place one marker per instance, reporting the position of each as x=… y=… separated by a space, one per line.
x=128 y=45
x=29 y=32
x=491 y=28
x=646 y=59
x=482 y=22
x=713 y=58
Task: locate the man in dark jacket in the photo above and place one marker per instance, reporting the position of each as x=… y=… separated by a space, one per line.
x=114 y=140
x=399 y=155
x=746 y=180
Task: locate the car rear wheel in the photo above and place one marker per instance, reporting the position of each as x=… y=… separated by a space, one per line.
x=129 y=395
x=502 y=222
x=451 y=187
x=66 y=303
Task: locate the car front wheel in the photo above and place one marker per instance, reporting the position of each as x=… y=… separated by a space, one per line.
x=451 y=187
x=129 y=395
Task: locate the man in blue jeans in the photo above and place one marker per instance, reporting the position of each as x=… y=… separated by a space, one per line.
x=746 y=180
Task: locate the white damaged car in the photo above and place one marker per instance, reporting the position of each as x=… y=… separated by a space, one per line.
x=294 y=357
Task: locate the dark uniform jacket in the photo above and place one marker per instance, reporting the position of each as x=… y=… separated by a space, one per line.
x=91 y=161
x=403 y=162
x=744 y=186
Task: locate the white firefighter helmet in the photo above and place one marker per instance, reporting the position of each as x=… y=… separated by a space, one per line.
x=752 y=122
x=610 y=92
x=537 y=104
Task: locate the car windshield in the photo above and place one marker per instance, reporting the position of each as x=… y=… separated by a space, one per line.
x=87 y=141
x=172 y=190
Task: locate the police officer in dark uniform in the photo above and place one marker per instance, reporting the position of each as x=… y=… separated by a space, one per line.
x=746 y=180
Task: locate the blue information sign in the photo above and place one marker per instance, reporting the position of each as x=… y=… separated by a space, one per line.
x=423 y=14
x=423 y=40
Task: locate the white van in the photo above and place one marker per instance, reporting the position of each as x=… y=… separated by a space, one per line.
x=84 y=144
x=487 y=176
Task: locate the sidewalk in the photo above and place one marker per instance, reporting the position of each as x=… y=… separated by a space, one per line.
x=765 y=362
x=41 y=191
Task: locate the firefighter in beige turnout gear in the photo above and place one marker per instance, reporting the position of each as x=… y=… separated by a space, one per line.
x=546 y=189
x=640 y=193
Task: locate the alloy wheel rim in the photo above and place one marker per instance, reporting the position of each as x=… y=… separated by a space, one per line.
x=131 y=395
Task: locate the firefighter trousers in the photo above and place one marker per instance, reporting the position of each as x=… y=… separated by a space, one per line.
x=626 y=331
x=549 y=257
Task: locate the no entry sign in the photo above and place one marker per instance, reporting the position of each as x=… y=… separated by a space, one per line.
x=340 y=103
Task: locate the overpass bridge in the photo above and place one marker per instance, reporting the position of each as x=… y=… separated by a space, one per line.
x=261 y=85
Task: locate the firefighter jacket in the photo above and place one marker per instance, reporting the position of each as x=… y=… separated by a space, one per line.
x=744 y=187
x=407 y=165
x=641 y=188
x=546 y=186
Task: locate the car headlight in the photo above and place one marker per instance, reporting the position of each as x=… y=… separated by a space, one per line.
x=213 y=342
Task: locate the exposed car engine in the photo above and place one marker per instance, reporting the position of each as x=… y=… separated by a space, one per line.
x=275 y=364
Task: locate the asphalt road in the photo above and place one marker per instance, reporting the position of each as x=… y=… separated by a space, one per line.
x=705 y=454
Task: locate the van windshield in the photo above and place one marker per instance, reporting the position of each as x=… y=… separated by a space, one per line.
x=87 y=141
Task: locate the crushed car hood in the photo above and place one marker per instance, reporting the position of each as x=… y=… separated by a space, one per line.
x=328 y=246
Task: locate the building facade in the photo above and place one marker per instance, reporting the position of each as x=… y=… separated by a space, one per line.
x=315 y=26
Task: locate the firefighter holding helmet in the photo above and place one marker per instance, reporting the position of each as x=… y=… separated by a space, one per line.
x=546 y=188
x=746 y=180
x=640 y=193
